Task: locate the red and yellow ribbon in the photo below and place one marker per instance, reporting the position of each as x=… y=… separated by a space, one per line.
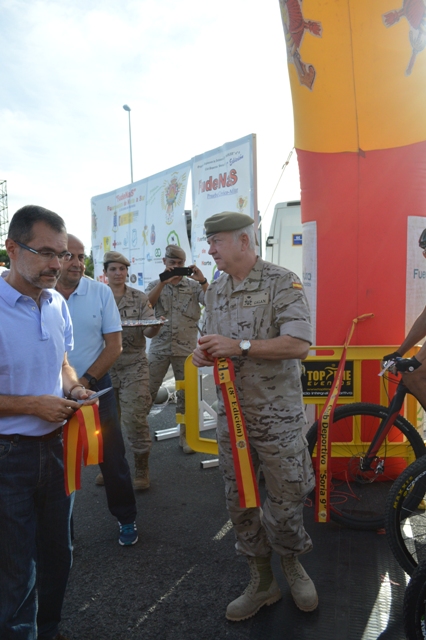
x=323 y=473
x=82 y=441
x=248 y=491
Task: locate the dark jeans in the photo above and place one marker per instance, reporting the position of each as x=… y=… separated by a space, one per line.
x=35 y=545
x=115 y=468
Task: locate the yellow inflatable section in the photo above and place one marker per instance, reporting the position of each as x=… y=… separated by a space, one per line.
x=357 y=71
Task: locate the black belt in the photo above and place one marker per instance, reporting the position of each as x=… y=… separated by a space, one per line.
x=18 y=436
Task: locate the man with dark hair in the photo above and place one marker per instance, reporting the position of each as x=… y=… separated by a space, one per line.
x=177 y=299
x=22 y=224
x=38 y=393
x=97 y=337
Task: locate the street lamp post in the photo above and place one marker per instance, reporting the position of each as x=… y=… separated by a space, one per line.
x=127 y=108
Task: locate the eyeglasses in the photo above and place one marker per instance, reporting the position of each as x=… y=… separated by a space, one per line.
x=65 y=256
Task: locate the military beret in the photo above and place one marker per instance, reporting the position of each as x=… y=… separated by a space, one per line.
x=115 y=256
x=226 y=221
x=173 y=251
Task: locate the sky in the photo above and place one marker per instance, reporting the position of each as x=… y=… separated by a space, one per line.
x=195 y=75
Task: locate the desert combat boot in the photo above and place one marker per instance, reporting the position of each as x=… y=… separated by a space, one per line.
x=141 y=480
x=182 y=440
x=301 y=586
x=262 y=589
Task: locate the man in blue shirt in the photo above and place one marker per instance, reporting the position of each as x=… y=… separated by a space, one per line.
x=35 y=512
x=97 y=337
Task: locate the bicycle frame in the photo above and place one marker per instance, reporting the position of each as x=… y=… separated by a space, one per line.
x=385 y=426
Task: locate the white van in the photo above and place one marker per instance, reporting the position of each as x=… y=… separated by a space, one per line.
x=284 y=241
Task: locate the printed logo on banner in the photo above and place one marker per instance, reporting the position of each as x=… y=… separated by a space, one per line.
x=234 y=160
x=140 y=279
x=220 y=182
x=152 y=236
x=133 y=278
x=318 y=377
x=157 y=252
x=107 y=243
x=145 y=234
x=94 y=223
x=173 y=238
x=126 y=218
x=134 y=238
x=172 y=194
x=242 y=202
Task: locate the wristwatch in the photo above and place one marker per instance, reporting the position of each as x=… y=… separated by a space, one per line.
x=245 y=346
x=92 y=381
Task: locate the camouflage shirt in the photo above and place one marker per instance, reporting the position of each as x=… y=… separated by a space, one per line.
x=270 y=302
x=180 y=304
x=134 y=305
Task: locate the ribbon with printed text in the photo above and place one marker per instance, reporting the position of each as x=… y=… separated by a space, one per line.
x=248 y=491
x=323 y=471
x=82 y=442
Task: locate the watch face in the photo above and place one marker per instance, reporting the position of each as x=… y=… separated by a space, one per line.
x=245 y=344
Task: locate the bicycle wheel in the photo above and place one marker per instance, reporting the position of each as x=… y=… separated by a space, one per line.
x=357 y=498
x=414 y=605
x=405 y=519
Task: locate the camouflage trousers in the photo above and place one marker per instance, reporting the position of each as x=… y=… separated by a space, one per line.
x=131 y=389
x=284 y=459
x=158 y=367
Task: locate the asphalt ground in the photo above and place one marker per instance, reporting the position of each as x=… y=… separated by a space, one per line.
x=176 y=582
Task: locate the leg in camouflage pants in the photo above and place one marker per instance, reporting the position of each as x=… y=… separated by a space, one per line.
x=131 y=388
x=289 y=478
x=158 y=367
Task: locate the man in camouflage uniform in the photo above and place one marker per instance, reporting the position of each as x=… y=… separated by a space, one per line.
x=130 y=372
x=257 y=315
x=178 y=300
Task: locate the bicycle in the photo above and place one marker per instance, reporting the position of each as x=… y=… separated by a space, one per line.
x=405 y=520
x=414 y=604
x=380 y=444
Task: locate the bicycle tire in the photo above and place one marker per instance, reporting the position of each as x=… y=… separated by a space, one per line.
x=414 y=604
x=405 y=522
x=359 y=502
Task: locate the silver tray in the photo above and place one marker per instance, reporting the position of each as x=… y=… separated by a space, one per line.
x=142 y=323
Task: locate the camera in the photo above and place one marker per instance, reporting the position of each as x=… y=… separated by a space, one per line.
x=177 y=271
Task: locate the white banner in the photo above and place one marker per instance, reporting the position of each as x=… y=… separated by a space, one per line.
x=223 y=179
x=140 y=220
x=416 y=272
x=310 y=270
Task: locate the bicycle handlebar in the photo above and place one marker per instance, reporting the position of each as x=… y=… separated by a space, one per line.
x=401 y=365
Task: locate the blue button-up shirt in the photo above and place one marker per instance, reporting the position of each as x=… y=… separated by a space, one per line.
x=33 y=342
x=94 y=313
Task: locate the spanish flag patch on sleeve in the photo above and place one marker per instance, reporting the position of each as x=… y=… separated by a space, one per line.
x=296 y=285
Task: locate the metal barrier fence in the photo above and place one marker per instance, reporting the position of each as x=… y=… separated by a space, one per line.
x=361 y=371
